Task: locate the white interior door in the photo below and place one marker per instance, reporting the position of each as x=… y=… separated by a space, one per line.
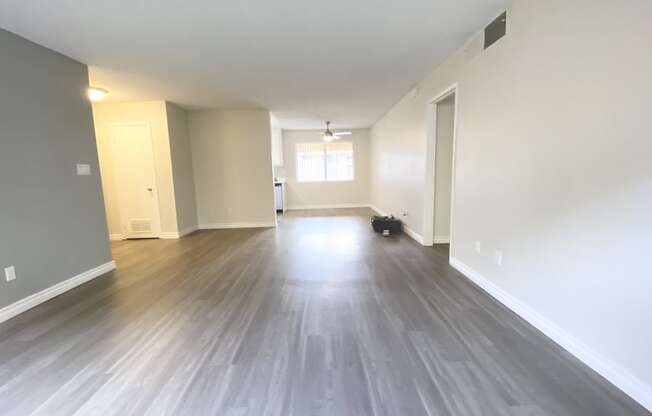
x=135 y=180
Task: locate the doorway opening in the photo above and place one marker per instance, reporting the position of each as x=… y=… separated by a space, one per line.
x=445 y=119
x=440 y=169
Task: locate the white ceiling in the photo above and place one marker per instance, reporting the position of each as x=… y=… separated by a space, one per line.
x=347 y=61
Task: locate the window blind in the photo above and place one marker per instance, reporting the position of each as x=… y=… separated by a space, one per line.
x=319 y=162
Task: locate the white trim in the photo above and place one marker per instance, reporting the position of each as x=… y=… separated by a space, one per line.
x=223 y=225
x=413 y=234
x=441 y=240
x=327 y=206
x=406 y=229
x=613 y=372
x=169 y=235
x=36 y=299
x=188 y=230
x=428 y=229
x=176 y=235
x=378 y=210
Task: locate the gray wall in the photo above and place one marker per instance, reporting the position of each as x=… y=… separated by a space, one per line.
x=184 y=183
x=52 y=222
x=553 y=167
x=232 y=164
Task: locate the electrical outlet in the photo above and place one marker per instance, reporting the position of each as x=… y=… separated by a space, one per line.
x=499 y=257
x=478 y=246
x=10 y=273
x=404 y=213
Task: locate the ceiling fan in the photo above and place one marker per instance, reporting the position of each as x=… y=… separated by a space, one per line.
x=329 y=136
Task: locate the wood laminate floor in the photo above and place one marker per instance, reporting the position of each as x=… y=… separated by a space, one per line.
x=317 y=317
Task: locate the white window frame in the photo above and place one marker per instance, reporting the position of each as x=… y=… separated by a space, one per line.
x=325 y=180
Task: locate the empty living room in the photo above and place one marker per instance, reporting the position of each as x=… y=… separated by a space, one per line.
x=342 y=208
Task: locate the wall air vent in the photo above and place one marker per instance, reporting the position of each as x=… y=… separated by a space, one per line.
x=495 y=30
x=141 y=226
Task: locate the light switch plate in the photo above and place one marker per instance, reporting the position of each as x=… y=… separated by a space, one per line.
x=10 y=273
x=83 y=169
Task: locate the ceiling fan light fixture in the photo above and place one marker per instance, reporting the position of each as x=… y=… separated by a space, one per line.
x=329 y=135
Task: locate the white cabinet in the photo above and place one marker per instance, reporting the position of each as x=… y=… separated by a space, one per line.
x=277 y=147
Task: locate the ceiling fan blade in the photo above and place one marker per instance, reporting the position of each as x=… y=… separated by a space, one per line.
x=343 y=133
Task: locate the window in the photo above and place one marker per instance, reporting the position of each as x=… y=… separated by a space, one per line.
x=321 y=162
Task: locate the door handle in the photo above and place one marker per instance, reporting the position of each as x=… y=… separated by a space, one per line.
x=150 y=189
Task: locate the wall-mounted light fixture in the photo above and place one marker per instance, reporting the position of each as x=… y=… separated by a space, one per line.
x=96 y=94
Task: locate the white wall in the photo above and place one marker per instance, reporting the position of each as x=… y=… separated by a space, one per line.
x=315 y=194
x=182 y=173
x=277 y=143
x=232 y=163
x=154 y=113
x=553 y=168
x=443 y=168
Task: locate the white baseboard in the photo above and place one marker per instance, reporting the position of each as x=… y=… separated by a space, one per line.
x=164 y=235
x=219 y=226
x=31 y=301
x=188 y=230
x=176 y=235
x=378 y=210
x=614 y=373
x=406 y=229
x=441 y=240
x=413 y=234
x=169 y=235
x=328 y=206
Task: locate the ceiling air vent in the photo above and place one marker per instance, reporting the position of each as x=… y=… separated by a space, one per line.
x=495 y=30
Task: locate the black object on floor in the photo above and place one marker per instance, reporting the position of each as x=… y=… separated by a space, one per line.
x=386 y=224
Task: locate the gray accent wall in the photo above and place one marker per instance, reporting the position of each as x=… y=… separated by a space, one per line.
x=182 y=173
x=52 y=222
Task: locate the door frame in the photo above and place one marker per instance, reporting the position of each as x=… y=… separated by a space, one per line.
x=428 y=230
x=159 y=226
